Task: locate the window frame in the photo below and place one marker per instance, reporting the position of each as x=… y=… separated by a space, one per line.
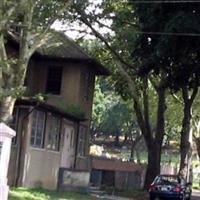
x=58 y=133
x=35 y=137
x=53 y=81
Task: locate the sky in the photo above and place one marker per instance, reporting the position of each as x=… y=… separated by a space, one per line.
x=75 y=30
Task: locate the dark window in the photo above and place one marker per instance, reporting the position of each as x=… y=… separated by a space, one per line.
x=54 y=133
x=54 y=79
x=37 y=129
x=82 y=141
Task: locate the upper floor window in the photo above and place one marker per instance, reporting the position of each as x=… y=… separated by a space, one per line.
x=54 y=133
x=54 y=79
x=37 y=129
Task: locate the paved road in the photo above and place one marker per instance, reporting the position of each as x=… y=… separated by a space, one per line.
x=196 y=195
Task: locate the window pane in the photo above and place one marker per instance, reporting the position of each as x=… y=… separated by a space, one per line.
x=54 y=132
x=32 y=141
x=37 y=129
x=54 y=79
x=38 y=142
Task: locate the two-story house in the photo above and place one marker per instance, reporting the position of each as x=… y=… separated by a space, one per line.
x=53 y=133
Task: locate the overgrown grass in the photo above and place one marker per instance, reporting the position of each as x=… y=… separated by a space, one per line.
x=137 y=194
x=134 y=194
x=41 y=194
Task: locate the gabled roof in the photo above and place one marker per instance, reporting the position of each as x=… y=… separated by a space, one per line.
x=61 y=47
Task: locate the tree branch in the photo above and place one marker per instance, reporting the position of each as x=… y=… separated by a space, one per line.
x=40 y=39
x=83 y=18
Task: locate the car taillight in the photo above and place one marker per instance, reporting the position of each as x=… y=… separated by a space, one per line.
x=177 y=189
x=152 y=188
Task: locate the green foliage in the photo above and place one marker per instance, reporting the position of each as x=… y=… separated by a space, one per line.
x=41 y=97
x=111 y=114
x=175 y=51
x=14 y=92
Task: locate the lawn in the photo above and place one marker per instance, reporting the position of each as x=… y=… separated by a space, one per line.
x=41 y=194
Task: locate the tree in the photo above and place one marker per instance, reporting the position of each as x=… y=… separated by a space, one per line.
x=129 y=84
x=171 y=49
x=29 y=23
x=111 y=114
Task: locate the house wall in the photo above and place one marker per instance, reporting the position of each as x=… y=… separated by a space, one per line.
x=13 y=166
x=36 y=73
x=41 y=166
x=73 y=90
x=38 y=167
x=83 y=163
x=70 y=87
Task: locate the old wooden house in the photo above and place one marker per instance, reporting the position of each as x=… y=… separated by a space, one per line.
x=53 y=133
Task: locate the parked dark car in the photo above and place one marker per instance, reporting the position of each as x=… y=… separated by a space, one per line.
x=170 y=187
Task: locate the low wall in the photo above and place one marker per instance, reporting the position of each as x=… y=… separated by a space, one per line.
x=73 y=180
x=128 y=180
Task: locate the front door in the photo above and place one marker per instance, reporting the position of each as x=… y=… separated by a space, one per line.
x=67 y=158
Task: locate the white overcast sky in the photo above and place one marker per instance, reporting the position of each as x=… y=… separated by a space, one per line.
x=72 y=30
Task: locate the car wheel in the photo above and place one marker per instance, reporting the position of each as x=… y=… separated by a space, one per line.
x=184 y=198
x=188 y=198
x=151 y=198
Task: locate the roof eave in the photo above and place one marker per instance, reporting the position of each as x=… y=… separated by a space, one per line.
x=48 y=107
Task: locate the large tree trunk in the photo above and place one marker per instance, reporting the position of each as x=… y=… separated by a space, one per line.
x=154 y=145
x=133 y=145
x=6 y=109
x=153 y=167
x=196 y=135
x=186 y=134
x=197 y=141
x=198 y=146
x=185 y=145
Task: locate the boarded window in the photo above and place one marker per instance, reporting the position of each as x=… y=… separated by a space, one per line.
x=37 y=129
x=54 y=133
x=82 y=141
x=54 y=79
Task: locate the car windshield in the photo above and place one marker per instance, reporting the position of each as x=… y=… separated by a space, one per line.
x=168 y=180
